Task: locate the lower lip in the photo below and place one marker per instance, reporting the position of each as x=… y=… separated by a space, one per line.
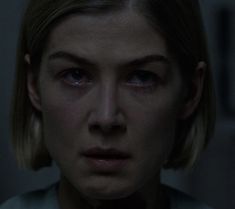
x=106 y=165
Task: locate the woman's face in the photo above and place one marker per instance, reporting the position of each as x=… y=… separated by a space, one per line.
x=110 y=97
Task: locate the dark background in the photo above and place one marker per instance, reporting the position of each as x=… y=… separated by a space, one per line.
x=213 y=178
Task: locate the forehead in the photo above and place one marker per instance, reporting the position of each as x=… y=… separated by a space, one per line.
x=127 y=32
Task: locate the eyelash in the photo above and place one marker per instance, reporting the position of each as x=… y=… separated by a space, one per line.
x=69 y=77
x=152 y=78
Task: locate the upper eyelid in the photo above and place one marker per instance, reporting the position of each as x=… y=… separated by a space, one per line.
x=70 y=70
x=149 y=72
x=58 y=66
x=132 y=74
x=89 y=74
x=151 y=75
x=158 y=68
x=120 y=67
x=62 y=67
x=66 y=70
x=138 y=72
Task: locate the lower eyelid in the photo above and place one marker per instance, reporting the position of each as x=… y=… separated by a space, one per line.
x=151 y=80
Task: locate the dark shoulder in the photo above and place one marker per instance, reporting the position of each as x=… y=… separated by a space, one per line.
x=180 y=200
x=31 y=200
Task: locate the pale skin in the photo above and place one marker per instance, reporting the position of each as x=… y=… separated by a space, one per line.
x=92 y=91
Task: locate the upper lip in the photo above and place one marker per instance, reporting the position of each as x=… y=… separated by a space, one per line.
x=110 y=153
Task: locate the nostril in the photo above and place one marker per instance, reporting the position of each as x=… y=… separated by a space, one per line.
x=107 y=128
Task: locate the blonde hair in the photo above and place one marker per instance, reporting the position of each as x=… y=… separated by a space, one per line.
x=179 y=17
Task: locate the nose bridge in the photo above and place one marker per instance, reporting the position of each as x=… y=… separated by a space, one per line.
x=107 y=107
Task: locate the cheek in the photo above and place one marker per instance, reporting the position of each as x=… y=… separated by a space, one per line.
x=151 y=139
x=155 y=126
x=63 y=128
x=157 y=135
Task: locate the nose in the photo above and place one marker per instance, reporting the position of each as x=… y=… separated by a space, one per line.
x=107 y=117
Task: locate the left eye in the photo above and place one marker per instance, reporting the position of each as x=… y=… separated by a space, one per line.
x=143 y=78
x=75 y=77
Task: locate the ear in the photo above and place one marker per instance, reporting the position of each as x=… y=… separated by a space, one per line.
x=32 y=84
x=194 y=94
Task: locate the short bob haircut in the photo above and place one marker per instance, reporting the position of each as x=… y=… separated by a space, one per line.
x=180 y=23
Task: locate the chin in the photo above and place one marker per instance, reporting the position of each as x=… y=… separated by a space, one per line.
x=108 y=193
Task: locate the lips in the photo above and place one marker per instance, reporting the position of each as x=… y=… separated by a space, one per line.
x=106 y=161
x=108 y=154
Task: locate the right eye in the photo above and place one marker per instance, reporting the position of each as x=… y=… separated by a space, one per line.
x=75 y=77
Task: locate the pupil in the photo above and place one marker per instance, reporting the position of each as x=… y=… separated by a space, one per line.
x=76 y=75
x=144 y=76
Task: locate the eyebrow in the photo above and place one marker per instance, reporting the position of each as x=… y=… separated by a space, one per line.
x=70 y=57
x=135 y=62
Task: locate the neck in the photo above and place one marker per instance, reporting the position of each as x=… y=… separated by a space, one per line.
x=151 y=196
